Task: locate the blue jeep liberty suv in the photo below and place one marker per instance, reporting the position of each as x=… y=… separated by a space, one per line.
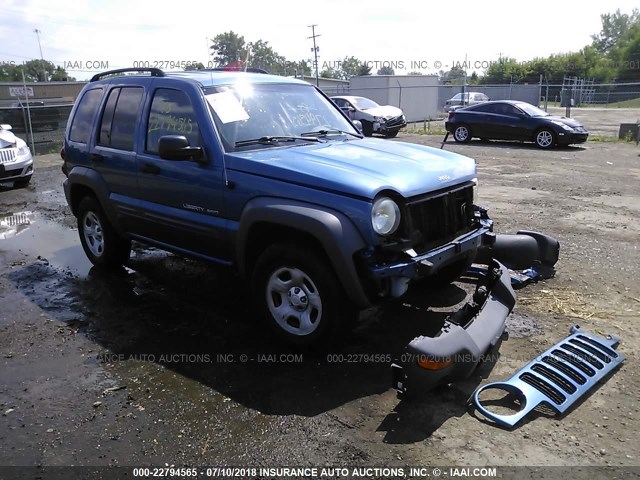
x=266 y=175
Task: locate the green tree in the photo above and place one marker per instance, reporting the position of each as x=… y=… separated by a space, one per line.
x=228 y=48
x=352 y=67
x=261 y=55
x=34 y=71
x=456 y=75
x=614 y=27
x=330 y=73
x=628 y=70
x=414 y=72
x=194 y=66
x=386 y=70
x=505 y=70
x=60 y=75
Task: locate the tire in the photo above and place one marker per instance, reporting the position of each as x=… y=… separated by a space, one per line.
x=391 y=134
x=23 y=182
x=299 y=296
x=545 y=138
x=462 y=133
x=100 y=242
x=367 y=128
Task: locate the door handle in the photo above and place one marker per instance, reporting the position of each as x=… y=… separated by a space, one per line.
x=96 y=157
x=149 y=168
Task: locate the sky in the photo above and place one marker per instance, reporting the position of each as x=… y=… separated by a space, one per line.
x=87 y=36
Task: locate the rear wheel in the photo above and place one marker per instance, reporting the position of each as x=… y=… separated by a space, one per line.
x=299 y=295
x=545 y=138
x=100 y=242
x=462 y=134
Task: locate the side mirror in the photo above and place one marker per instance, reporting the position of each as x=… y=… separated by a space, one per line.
x=357 y=124
x=176 y=147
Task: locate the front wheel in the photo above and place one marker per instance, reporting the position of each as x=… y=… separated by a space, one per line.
x=391 y=134
x=299 y=295
x=100 y=242
x=545 y=138
x=462 y=134
x=367 y=128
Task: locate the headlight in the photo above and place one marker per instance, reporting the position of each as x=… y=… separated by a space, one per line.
x=563 y=125
x=385 y=216
x=23 y=150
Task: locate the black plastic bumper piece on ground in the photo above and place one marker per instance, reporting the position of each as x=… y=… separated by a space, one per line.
x=521 y=251
x=463 y=340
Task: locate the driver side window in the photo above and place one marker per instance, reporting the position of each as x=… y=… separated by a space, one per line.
x=171 y=114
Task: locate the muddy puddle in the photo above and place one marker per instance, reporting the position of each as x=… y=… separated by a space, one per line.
x=164 y=313
x=34 y=236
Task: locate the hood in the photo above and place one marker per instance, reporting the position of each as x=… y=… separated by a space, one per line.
x=385 y=111
x=567 y=121
x=359 y=167
x=7 y=138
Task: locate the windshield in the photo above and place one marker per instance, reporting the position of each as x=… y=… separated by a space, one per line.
x=244 y=112
x=364 y=103
x=531 y=110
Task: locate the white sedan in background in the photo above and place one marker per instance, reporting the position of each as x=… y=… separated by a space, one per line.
x=386 y=120
x=16 y=162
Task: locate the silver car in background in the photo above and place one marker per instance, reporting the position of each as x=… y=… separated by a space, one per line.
x=16 y=162
x=386 y=120
x=470 y=98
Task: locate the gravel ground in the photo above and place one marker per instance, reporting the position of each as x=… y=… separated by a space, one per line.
x=162 y=364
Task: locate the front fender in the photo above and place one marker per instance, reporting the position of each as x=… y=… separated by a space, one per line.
x=335 y=232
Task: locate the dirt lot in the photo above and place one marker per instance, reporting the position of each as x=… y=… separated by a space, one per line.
x=162 y=363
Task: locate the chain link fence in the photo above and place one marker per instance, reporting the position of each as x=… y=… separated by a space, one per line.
x=41 y=126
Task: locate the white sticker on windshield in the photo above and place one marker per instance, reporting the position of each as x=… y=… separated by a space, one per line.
x=227 y=107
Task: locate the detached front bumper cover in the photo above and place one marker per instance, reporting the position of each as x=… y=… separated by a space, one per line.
x=463 y=340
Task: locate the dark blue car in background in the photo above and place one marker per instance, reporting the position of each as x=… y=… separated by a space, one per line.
x=513 y=120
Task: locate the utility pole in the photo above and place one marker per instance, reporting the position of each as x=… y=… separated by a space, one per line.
x=38 y=32
x=315 y=50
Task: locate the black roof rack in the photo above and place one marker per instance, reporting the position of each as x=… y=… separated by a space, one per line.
x=235 y=69
x=155 y=72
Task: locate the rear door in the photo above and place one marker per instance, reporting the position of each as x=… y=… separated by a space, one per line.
x=114 y=152
x=181 y=201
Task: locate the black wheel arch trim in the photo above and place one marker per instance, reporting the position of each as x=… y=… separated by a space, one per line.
x=91 y=180
x=334 y=231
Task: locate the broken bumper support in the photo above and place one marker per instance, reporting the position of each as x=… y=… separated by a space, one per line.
x=463 y=340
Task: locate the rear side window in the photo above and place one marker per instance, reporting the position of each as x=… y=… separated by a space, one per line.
x=119 y=120
x=81 y=125
x=171 y=114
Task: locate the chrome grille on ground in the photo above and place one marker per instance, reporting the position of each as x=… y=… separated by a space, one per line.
x=558 y=377
x=440 y=218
